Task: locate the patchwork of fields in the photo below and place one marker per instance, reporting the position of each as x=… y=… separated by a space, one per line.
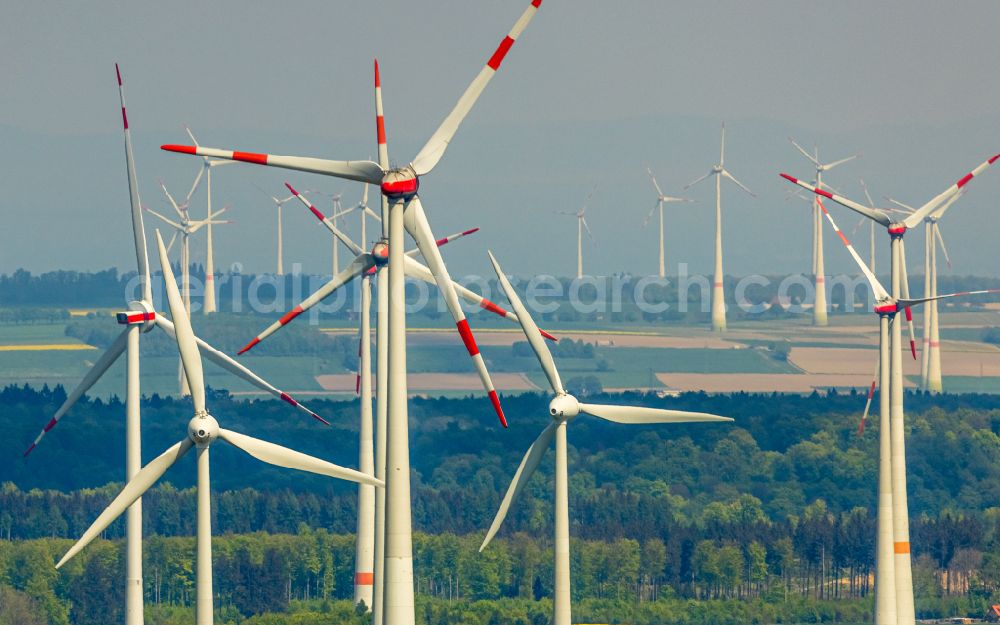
x=761 y=356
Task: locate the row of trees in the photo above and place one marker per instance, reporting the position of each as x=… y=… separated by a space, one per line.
x=266 y=573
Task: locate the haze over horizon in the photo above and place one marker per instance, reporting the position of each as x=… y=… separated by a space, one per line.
x=592 y=93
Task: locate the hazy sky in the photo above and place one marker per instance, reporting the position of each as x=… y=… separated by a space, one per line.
x=591 y=94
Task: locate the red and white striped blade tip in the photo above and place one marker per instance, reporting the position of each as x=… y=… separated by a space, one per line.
x=248 y=346
x=495 y=400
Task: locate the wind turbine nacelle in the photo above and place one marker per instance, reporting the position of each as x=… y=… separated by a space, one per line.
x=138 y=313
x=400 y=185
x=380 y=252
x=203 y=429
x=564 y=407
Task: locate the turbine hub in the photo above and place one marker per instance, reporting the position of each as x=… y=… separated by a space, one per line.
x=564 y=407
x=400 y=184
x=203 y=429
x=380 y=252
x=897 y=230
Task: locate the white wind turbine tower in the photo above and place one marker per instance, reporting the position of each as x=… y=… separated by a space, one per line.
x=139 y=319
x=890 y=594
x=720 y=172
x=403 y=211
x=900 y=292
x=278 y=203
x=202 y=431
x=819 y=269
x=564 y=408
x=207 y=165
x=581 y=224
x=661 y=199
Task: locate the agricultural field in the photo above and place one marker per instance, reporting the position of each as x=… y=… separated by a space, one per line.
x=760 y=356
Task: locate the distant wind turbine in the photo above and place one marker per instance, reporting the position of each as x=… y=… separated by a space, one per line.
x=581 y=225
x=661 y=199
x=720 y=172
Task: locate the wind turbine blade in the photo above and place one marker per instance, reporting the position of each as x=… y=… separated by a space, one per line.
x=138 y=231
x=906 y=207
x=940 y=240
x=655 y=184
x=143 y=480
x=697 y=180
x=194 y=186
x=587 y=228
x=373 y=214
x=871 y=203
x=948 y=204
x=652 y=211
x=877 y=288
x=223 y=360
x=170 y=198
x=738 y=183
x=362 y=171
x=804 y=153
x=415 y=222
x=358 y=267
x=830 y=166
x=929 y=207
x=173 y=238
x=169 y=222
x=103 y=363
x=872 y=213
x=364 y=197
x=530 y=330
x=190 y=134
x=434 y=149
x=529 y=463
x=868 y=402
x=183 y=333
x=722 y=150
x=637 y=415
x=415 y=269
x=904 y=303
x=343 y=238
x=905 y=288
x=290 y=459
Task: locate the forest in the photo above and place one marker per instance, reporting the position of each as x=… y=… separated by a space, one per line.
x=768 y=519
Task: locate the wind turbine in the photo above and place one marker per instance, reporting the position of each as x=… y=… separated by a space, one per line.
x=891 y=571
x=661 y=199
x=581 y=224
x=900 y=292
x=278 y=203
x=139 y=319
x=720 y=172
x=207 y=165
x=185 y=227
x=202 y=431
x=819 y=269
x=404 y=212
x=930 y=362
x=564 y=408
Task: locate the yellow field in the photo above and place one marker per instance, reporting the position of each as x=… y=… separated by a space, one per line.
x=48 y=347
